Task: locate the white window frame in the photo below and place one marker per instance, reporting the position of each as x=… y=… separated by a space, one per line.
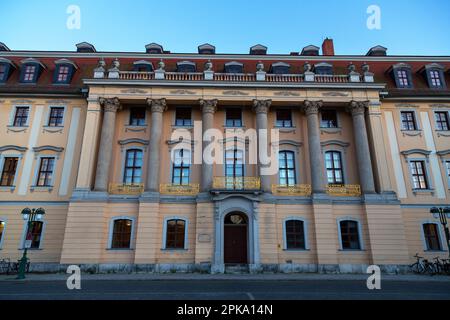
x=2 y=237
x=342 y=149
x=296 y=165
x=12 y=115
x=435 y=122
x=172 y=163
x=360 y=238
x=37 y=167
x=186 y=228
x=24 y=234
x=427 y=173
x=305 y=232
x=111 y=230
x=440 y=235
x=416 y=119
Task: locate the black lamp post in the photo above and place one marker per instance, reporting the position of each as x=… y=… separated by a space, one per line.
x=442 y=214
x=29 y=215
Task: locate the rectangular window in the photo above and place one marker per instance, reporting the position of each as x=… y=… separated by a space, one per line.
x=295 y=235
x=284 y=118
x=133 y=167
x=447 y=163
x=56 y=117
x=175 y=234
x=419 y=177
x=34 y=235
x=234 y=117
x=430 y=231
x=63 y=74
x=234 y=169
x=21 y=116
x=329 y=119
x=2 y=72
x=9 y=172
x=181 y=167
x=442 y=123
x=350 y=235
x=408 y=121
x=435 y=79
x=45 y=175
x=121 y=236
x=403 y=80
x=333 y=162
x=137 y=116
x=287 y=169
x=183 y=117
x=29 y=75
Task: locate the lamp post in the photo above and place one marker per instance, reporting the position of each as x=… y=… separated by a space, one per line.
x=442 y=214
x=29 y=215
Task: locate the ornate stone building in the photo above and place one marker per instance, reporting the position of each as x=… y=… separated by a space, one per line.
x=94 y=138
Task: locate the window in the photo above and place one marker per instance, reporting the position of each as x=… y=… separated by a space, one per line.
x=329 y=119
x=21 y=117
x=333 y=163
x=137 y=116
x=349 y=235
x=175 y=234
x=181 y=167
x=295 y=235
x=402 y=76
x=234 y=117
x=29 y=73
x=287 y=168
x=56 y=118
x=284 y=118
x=9 y=172
x=323 y=68
x=435 y=79
x=183 y=117
x=2 y=230
x=408 y=120
x=447 y=163
x=186 y=67
x=431 y=234
x=419 y=177
x=234 y=169
x=121 y=234
x=3 y=72
x=133 y=167
x=45 y=175
x=234 y=67
x=34 y=235
x=442 y=123
x=63 y=73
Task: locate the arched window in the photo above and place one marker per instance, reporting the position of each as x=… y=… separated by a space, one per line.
x=33 y=236
x=133 y=167
x=431 y=235
x=175 y=234
x=333 y=164
x=121 y=234
x=287 y=168
x=2 y=231
x=181 y=167
x=295 y=235
x=349 y=232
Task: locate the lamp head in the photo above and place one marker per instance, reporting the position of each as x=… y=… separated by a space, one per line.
x=434 y=210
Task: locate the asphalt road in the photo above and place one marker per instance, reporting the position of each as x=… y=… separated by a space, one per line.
x=223 y=290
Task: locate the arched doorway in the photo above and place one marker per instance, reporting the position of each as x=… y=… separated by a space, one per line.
x=235 y=238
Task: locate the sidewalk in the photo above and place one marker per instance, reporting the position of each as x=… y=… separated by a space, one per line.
x=226 y=277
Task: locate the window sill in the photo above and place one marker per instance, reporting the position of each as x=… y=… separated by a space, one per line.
x=174 y=250
x=7 y=188
x=41 y=189
x=442 y=133
x=50 y=129
x=17 y=129
x=331 y=130
x=411 y=133
x=423 y=191
x=286 y=129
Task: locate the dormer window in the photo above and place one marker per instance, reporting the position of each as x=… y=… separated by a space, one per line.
x=143 y=66
x=186 y=66
x=64 y=71
x=280 y=68
x=206 y=49
x=6 y=68
x=29 y=74
x=154 y=48
x=434 y=74
x=31 y=70
x=402 y=76
x=234 y=67
x=323 y=68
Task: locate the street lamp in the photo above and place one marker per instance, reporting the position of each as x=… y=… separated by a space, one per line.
x=442 y=214
x=29 y=215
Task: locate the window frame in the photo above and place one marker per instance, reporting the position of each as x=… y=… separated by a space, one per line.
x=130 y=123
x=294 y=169
x=447 y=171
x=57 y=72
x=14 y=113
x=434 y=67
x=7 y=71
x=360 y=237
x=124 y=166
x=111 y=233
x=283 y=122
x=440 y=236
x=426 y=174
x=2 y=168
x=337 y=119
x=402 y=68
x=37 y=171
x=234 y=120
x=414 y=119
x=2 y=235
x=36 y=75
x=186 y=231
x=447 y=120
x=305 y=234
x=184 y=125
x=342 y=169
x=25 y=231
x=49 y=116
x=182 y=167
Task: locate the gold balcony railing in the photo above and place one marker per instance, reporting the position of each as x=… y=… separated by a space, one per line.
x=301 y=190
x=126 y=189
x=179 y=190
x=237 y=183
x=341 y=190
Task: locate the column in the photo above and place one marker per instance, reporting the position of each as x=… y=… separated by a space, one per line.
x=158 y=106
x=261 y=108
x=209 y=108
x=110 y=107
x=311 y=109
x=357 y=110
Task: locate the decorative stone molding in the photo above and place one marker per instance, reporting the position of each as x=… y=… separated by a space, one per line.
x=443 y=133
x=136 y=128
x=312 y=107
x=331 y=131
x=209 y=106
x=110 y=104
x=38 y=150
x=53 y=129
x=335 y=143
x=261 y=106
x=406 y=105
x=15 y=148
x=440 y=106
x=235 y=93
x=157 y=105
x=286 y=94
x=407 y=153
x=358 y=107
x=133 y=140
x=414 y=133
x=17 y=129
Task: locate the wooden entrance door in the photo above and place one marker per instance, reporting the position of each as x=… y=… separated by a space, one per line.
x=235 y=239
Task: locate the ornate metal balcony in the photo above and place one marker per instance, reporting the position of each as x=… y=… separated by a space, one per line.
x=341 y=190
x=300 y=190
x=237 y=183
x=126 y=189
x=179 y=190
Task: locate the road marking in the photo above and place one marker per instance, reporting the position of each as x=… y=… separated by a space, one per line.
x=249 y=294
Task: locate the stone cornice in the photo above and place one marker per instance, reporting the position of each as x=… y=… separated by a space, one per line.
x=48 y=148
x=11 y=147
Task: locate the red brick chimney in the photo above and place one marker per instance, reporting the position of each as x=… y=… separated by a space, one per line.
x=328 y=47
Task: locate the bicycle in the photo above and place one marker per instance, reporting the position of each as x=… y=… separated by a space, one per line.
x=5 y=265
x=419 y=266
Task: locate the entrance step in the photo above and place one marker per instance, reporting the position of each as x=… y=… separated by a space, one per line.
x=236 y=268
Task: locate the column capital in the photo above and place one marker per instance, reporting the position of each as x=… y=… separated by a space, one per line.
x=261 y=106
x=110 y=104
x=208 y=106
x=358 y=107
x=157 y=105
x=312 y=107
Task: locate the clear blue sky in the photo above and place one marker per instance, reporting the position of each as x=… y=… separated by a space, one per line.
x=419 y=27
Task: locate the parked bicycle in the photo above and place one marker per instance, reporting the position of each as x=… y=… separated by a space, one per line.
x=7 y=267
x=424 y=266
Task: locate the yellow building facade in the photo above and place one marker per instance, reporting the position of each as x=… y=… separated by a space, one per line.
x=112 y=146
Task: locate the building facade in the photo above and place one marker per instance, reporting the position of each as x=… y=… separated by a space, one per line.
x=112 y=146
